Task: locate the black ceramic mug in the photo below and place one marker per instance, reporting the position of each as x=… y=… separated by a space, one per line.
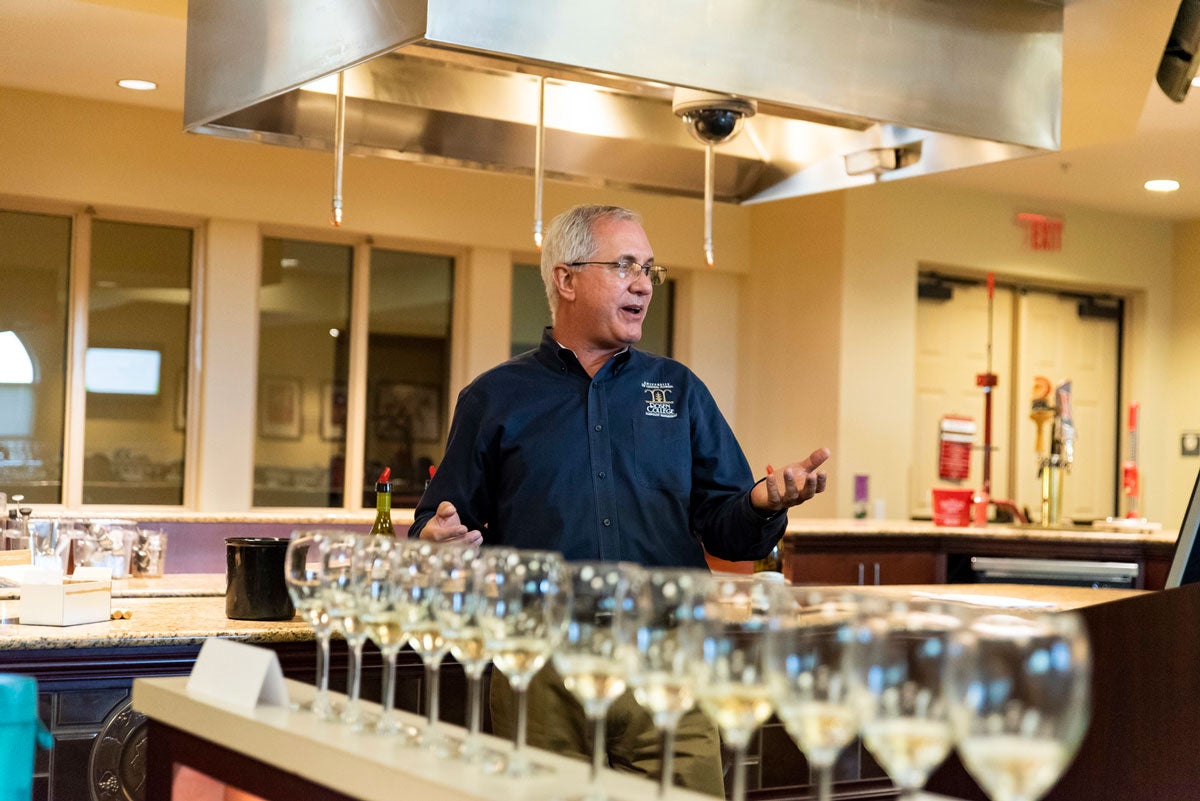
x=255 y=588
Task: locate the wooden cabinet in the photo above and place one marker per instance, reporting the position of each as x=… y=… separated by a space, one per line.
x=856 y=557
x=862 y=567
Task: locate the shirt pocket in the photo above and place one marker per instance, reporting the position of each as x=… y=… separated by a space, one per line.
x=662 y=453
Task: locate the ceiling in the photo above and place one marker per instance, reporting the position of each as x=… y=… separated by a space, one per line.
x=82 y=47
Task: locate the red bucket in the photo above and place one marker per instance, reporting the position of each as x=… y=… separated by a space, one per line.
x=952 y=506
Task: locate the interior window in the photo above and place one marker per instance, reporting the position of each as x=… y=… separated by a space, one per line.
x=303 y=362
x=35 y=256
x=135 y=365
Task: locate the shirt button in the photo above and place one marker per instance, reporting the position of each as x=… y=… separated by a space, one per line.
x=599 y=427
x=602 y=474
x=595 y=386
x=606 y=522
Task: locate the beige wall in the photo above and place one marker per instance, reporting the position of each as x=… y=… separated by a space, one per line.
x=892 y=229
x=804 y=331
x=1183 y=377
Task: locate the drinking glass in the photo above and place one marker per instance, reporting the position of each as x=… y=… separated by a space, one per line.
x=731 y=685
x=1020 y=700
x=417 y=579
x=597 y=650
x=670 y=605
x=901 y=665
x=341 y=602
x=455 y=608
x=522 y=617
x=810 y=688
x=377 y=596
x=306 y=584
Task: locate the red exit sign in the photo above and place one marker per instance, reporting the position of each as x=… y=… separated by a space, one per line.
x=1042 y=232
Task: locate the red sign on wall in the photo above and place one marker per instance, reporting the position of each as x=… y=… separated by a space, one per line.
x=956 y=435
x=1042 y=232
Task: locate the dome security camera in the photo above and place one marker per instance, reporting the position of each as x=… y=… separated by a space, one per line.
x=712 y=119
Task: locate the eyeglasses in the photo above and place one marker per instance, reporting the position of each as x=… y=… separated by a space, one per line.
x=655 y=272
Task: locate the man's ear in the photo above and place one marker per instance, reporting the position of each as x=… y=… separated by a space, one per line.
x=564 y=281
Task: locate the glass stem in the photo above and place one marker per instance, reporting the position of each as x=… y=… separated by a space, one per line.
x=354 y=688
x=321 y=699
x=431 y=692
x=475 y=703
x=825 y=782
x=522 y=714
x=739 y=773
x=668 y=761
x=389 y=682
x=599 y=749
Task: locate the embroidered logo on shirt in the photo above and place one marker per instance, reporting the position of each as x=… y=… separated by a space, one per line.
x=658 y=400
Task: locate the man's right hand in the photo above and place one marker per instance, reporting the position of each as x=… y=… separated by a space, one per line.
x=445 y=526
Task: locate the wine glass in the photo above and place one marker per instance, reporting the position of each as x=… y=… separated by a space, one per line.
x=455 y=608
x=597 y=650
x=731 y=680
x=341 y=602
x=901 y=664
x=806 y=670
x=377 y=596
x=670 y=605
x=306 y=585
x=417 y=581
x=522 y=617
x=1020 y=700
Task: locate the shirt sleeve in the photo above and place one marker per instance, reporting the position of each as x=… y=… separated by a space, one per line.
x=462 y=477
x=721 y=513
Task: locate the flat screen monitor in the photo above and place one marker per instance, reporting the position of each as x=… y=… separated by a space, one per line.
x=1185 y=567
x=122 y=371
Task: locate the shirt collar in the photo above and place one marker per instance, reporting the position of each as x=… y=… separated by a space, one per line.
x=558 y=356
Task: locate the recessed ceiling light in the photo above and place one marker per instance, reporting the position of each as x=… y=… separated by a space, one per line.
x=137 y=85
x=1162 y=185
x=288 y=264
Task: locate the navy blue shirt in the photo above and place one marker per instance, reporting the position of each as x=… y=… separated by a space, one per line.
x=636 y=463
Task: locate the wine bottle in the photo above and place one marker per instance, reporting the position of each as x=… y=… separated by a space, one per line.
x=383 y=505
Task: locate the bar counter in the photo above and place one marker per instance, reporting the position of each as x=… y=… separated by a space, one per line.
x=85 y=673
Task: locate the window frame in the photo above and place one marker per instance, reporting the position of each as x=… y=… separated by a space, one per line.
x=75 y=395
x=356 y=376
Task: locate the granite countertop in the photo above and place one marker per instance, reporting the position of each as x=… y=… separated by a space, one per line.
x=172 y=585
x=841 y=527
x=153 y=621
x=191 y=620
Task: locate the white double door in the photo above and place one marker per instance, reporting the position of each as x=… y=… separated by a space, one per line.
x=1034 y=333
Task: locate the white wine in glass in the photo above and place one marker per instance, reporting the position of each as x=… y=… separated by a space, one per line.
x=595 y=654
x=341 y=602
x=417 y=579
x=306 y=585
x=902 y=656
x=731 y=677
x=378 y=596
x=523 y=615
x=670 y=606
x=806 y=666
x=1020 y=690
x=456 y=607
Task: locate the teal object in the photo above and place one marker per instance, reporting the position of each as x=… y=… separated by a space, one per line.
x=20 y=731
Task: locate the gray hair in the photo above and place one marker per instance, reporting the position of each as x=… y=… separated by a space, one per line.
x=569 y=238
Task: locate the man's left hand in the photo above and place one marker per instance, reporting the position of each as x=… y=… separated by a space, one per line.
x=800 y=482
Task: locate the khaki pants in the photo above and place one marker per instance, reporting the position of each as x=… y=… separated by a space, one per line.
x=557 y=723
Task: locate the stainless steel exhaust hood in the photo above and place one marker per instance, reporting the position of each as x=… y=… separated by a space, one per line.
x=905 y=87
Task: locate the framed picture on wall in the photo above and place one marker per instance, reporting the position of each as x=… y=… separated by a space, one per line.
x=279 y=409
x=406 y=412
x=333 y=411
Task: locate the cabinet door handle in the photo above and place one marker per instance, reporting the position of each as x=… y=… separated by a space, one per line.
x=862 y=574
x=876 y=574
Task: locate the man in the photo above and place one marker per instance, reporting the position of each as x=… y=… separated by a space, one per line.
x=591 y=448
